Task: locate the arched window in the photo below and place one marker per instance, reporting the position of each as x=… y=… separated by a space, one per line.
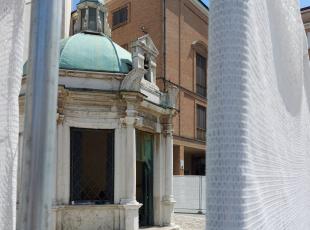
x=200 y=50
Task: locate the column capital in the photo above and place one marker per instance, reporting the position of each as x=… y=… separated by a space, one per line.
x=129 y=121
x=168 y=129
x=132 y=98
x=61 y=101
x=167 y=124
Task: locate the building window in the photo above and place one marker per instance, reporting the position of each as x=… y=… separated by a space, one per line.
x=201 y=123
x=120 y=17
x=91 y=166
x=201 y=75
x=92 y=19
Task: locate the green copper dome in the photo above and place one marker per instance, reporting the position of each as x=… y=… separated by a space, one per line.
x=91 y=52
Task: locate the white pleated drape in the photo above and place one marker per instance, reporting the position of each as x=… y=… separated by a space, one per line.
x=11 y=55
x=258 y=154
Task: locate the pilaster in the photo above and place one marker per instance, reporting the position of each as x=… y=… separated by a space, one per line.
x=168 y=198
x=85 y=20
x=129 y=153
x=130 y=203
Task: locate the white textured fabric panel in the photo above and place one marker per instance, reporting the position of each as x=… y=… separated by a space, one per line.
x=11 y=54
x=258 y=156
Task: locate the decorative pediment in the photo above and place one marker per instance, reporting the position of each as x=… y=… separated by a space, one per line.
x=146 y=43
x=144 y=54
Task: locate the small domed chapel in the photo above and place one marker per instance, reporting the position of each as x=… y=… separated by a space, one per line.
x=114 y=166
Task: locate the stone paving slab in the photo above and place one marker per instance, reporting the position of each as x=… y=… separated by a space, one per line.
x=190 y=221
x=162 y=228
x=184 y=222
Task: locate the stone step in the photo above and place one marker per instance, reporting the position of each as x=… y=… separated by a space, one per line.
x=175 y=227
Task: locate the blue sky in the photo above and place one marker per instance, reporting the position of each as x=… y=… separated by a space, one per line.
x=303 y=3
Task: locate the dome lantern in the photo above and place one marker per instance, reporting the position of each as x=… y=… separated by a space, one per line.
x=92 y=17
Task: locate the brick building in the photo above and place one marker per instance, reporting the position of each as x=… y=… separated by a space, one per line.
x=179 y=29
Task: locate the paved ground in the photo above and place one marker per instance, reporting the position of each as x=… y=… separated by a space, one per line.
x=185 y=222
x=190 y=221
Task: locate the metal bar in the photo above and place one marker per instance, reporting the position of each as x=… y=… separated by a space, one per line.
x=39 y=147
x=200 y=194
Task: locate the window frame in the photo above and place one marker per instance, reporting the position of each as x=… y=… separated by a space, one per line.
x=197 y=85
x=201 y=131
x=94 y=10
x=74 y=200
x=127 y=5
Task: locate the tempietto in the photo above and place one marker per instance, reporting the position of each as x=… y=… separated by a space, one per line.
x=114 y=131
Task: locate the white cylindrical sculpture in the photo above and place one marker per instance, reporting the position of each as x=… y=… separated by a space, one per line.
x=39 y=147
x=258 y=156
x=11 y=63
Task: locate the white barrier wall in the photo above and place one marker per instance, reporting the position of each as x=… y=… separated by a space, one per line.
x=190 y=194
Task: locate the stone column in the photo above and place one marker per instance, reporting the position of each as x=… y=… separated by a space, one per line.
x=131 y=206
x=168 y=198
x=130 y=155
x=169 y=164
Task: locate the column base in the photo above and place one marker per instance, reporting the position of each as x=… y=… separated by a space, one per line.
x=132 y=215
x=168 y=207
x=169 y=199
x=129 y=202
